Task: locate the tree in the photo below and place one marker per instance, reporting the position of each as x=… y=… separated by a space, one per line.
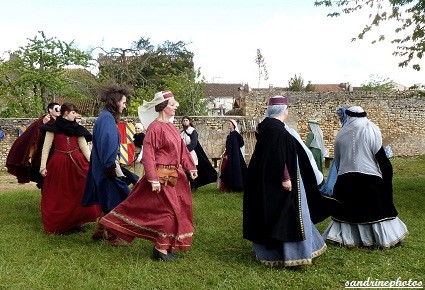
x=147 y=69
x=34 y=74
x=377 y=83
x=189 y=93
x=409 y=14
x=310 y=87
x=81 y=84
x=296 y=84
x=262 y=68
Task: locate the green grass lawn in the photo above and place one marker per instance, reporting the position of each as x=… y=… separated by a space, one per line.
x=219 y=257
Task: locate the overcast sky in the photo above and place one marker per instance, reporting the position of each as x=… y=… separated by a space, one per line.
x=294 y=36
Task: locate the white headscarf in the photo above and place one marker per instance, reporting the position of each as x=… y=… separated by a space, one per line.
x=357 y=143
x=237 y=130
x=318 y=137
x=317 y=173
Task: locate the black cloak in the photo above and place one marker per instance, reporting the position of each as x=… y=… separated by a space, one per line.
x=206 y=172
x=271 y=213
x=69 y=128
x=366 y=198
x=234 y=173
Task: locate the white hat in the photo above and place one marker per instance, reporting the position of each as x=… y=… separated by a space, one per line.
x=147 y=111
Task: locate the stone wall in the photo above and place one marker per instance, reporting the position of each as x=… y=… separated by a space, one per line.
x=212 y=133
x=400 y=116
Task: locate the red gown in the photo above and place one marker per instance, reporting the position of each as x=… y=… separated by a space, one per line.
x=165 y=217
x=63 y=188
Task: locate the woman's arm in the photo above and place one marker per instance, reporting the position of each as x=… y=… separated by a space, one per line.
x=84 y=147
x=48 y=141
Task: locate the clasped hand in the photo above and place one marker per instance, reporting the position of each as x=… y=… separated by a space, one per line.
x=287 y=185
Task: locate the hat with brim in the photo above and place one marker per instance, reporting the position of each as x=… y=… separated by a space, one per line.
x=147 y=111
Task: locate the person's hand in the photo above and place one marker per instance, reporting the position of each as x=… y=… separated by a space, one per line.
x=156 y=186
x=110 y=172
x=193 y=174
x=46 y=119
x=43 y=172
x=287 y=185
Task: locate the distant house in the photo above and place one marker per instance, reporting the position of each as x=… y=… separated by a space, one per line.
x=399 y=87
x=325 y=88
x=223 y=97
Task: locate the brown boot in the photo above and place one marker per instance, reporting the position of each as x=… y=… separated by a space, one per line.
x=115 y=241
x=99 y=232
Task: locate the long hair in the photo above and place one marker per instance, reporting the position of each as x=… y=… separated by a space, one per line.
x=111 y=95
x=190 y=121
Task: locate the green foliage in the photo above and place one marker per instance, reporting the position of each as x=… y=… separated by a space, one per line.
x=310 y=87
x=148 y=69
x=410 y=17
x=296 y=84
x=81 y=84
x=262 y=68
x=189 y=93
x=39 y=72
x=218 y=259
x=377 y=83
x=34 y=74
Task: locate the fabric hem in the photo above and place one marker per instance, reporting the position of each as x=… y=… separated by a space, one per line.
x=294 y=263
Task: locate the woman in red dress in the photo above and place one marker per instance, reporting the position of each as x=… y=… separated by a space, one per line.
x=158 y=209
x=65 y=174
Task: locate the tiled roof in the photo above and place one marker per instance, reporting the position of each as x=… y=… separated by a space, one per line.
x=86 y=107
x=329 y=87
x=221 y=90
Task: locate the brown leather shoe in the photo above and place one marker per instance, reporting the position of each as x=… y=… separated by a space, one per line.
x=116 y=241
x=99 y=233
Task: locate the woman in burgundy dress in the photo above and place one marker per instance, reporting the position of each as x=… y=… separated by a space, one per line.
x=65 y=174
x=158 y=209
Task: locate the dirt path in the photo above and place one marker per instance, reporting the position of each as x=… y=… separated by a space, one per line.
x=9 y=182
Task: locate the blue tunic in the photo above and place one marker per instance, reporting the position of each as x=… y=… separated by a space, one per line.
x=99 y=188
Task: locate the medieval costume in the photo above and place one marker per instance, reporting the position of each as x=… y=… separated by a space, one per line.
x=61 y=208
x=328 y=186
x=364 y=187
x=159 y=207
x=232 y=169
x=206 y=172
x=106 y=184
x=23 y=159
x=278 y=219
x=314 y=142
x=138 y=138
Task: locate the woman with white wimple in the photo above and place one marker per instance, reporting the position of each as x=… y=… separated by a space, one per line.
x=368 y=216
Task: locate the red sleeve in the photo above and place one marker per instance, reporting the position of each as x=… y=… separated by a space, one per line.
x=286 y=175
